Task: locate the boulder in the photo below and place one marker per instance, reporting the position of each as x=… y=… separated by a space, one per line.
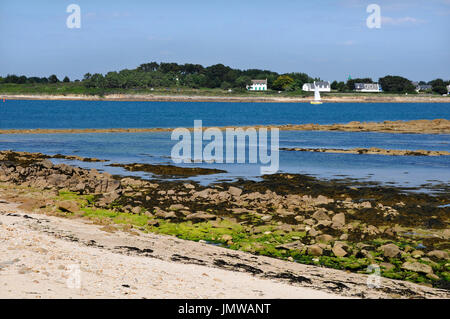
x=325 y=238
x=391 y=250
x=176 y=207
x=338 y=251
x=338 y=221
x=315 y=250
x=320 y=215
x=439 y=254
x=266 y=218
x=200 y=216
x=69 y=206
x=226 y=237
x=166 y=215
x=295 y=245
x=234 y=191
x=417 y=267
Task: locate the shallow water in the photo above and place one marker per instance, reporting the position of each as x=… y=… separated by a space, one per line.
x=406 y=171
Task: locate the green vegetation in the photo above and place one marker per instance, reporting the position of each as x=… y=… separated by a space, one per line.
x=218 y=79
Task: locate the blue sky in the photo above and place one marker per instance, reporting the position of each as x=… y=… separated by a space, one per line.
x=327 y=39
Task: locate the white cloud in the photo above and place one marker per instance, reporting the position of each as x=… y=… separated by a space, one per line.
x=400 y=21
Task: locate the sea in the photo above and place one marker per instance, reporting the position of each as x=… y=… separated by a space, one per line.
x=413 y=173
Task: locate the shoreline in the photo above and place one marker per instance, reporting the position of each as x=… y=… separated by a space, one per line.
x=436 y=126
x=239 y=99
x=276 y=228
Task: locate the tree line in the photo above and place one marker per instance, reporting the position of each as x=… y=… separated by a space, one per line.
x=169 y=75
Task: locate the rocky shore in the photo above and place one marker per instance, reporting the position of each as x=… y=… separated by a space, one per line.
x=290 y=217
x=370 y=151
x=436 y=126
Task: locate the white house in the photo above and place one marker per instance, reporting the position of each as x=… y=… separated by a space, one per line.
x=367 y=87
x=258 y=85
x=423 y=87
x=323 y=86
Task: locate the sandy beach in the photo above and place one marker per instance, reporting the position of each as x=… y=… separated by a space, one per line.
x=241 y=99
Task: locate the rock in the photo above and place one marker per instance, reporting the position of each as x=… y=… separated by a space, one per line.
x=136 y=210
x=200 y=216
x=176 y=207
x=295 y=245
x=391 y=250
x=266 y=218
x=417 y=267
x=320 y=215
x=439 y=254
x=234 y=191
x=165 y=215
x=366 y=205
x=325 y=238
x=153 y=223
x=299 y=218
x=446 y=234
x=46 y=164
x=226 y=237
x=417 y=253
x=69 y=206
x=108 y=198
x=315 y=250
x=338 y=221
x=189 y=186
x=313 y=233
x=338 y=251
x=344 y=237
x=387 y=266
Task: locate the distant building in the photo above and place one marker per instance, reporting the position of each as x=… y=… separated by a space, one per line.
x=367 y=87
x=423 y=87
x=323 y=86
x=448 y=89
x=258 y=85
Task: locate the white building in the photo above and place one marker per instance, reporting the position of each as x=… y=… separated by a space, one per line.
x=323 y=86
x=367 y=87
x=258 y=85
x=448 y=89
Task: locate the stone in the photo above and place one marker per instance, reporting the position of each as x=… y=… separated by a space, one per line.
x=165 y=215
x=439 y=254
x=417 y=267
x=338 y=221
x=69 y=206
x=320 y=215
x=325 y=238
x=200 y=216
x=136 y=210
x=235 y=191
x=391 y=250
x=315 y=250
x=295 y=245
x=338 y=251
x=387 y=266
x=108 y=198
x=299 y=218
x=417 y=253
x=226 y=237
x=266 y=218
x=344 y=237
x=313 y=233
x=176 y=207
x=153 y=223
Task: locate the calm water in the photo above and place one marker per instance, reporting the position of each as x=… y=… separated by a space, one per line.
x=106 y=114
x=156 y=147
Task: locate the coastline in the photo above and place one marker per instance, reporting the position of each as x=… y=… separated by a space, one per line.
x=237 y=99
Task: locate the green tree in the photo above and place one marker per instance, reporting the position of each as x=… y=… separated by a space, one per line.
x=440 y=89
x=351 y=82
x=396 y=84
x=53 y=79
x=66 y=79
x=282 y=82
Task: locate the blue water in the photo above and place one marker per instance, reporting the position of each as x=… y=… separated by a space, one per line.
x=405 y=171
x=108 y=114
